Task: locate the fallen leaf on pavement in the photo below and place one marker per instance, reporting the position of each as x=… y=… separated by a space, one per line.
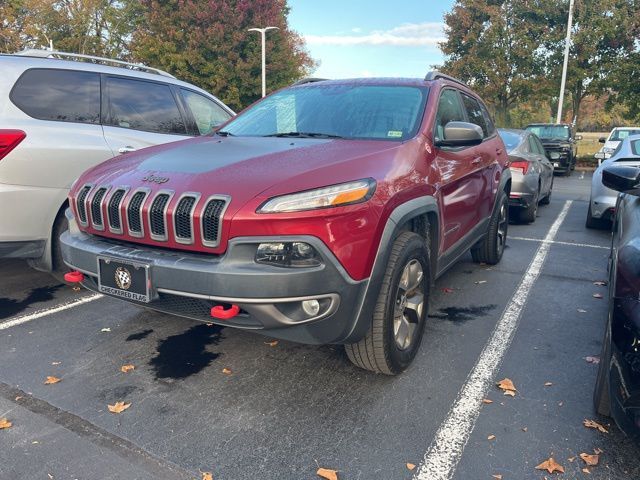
x=507 y=387
x=596 y=425
x=497 y=477
x=572 y=459
x=51 y=380
x=226 y=371
x=447 y=290
x=590 y=460
x=327 y=473
x=480 y=282
x=586 y=470
x=107 y=330
x=56 y=363
x=594 y=360
x=597 y=295
x=487 y=401
x=560 y=404
x=582 y=310
x=118 y=407
x=19 y=397
x=524 y=429
x=4 y=423
x=410 y=466
x=491 y=437
x=600 y=284
x=207 y=476
x=127 y=368
x=272 y=344
x=548 y=384
x=550 y=466
x=598 y=451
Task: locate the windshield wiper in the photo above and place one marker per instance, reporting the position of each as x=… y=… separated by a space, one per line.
x=224 y=133
x=304 y=135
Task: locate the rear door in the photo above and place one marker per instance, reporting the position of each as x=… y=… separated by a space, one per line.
x=546 y=167
x=141 y=113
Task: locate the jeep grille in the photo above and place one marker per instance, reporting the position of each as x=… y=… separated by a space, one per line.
x=134 y=213
x=82 y=209
x=96 y=208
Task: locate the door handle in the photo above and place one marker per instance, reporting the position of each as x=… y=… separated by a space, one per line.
x=126 y=149
x=476 y=161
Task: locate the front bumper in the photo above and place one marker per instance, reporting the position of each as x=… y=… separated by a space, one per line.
x=269 y=297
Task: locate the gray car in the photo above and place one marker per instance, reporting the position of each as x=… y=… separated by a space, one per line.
x=531 y=173
x=602 y=202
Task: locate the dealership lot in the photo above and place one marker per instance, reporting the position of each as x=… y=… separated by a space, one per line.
x=286 y=409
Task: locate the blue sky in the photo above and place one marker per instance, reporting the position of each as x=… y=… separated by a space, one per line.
x=361 y=38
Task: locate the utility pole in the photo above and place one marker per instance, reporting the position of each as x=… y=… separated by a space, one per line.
x=263 y=32
x=566 y=62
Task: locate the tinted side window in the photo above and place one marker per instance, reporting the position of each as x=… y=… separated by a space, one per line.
x=207 y=113
x=533 y=146
x=474 y=112
x=449 y=110
x=491 y=128
x=60 y=95
x=146 y=106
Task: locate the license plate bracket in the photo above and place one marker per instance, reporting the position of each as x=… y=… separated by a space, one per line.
x=124 y=279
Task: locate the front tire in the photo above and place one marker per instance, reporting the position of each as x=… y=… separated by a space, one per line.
x=547 y=200
x=529 y=214
x=601 y=397
x=491 y=248
x=58 y=267
x=400 y=312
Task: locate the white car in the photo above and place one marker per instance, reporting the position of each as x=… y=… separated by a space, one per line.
x=61 y=114
x=602 y=201
x=613 y=140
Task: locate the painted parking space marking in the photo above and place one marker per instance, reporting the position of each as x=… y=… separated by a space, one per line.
x=557 y=242
x=49 y=311
x=445 y=451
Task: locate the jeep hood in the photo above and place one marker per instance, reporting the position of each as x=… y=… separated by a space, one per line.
x=241 y=167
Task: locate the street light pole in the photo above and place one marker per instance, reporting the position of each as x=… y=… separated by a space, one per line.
x=566 y=62
x=263 y=32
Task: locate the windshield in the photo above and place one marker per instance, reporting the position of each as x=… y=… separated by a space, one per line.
x=335 y=111
x=621 y=134
x=548 y=132
x=511 y=140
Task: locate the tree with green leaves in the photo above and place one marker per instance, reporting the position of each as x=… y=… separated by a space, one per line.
x=207 y=43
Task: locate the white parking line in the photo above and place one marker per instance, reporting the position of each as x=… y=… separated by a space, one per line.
x=557 y=242
x=48 y=311
x=445 y=451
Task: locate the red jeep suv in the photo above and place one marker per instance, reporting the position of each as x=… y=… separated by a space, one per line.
x=321 y=214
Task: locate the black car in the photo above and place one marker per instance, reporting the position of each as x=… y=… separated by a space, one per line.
x=617 y=391
x=561 y=139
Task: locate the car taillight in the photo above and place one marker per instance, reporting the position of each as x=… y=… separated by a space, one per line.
x=9 y=139
x=524 y=166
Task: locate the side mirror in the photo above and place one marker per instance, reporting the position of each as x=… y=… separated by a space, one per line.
x=553 y=155
x=461 y=134
x=578 y=138
x=622 y=178
x=602 y=139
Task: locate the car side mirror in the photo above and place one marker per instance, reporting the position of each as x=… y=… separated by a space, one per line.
x=553 y=155
x=461 y=134
x=602 y=140
x=578 y=138
x=622 y=178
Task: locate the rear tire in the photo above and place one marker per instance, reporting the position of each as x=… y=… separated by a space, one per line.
x=491 y=248
x=58 y=266
x=400 y=312
x=547 y=200
x=601 y=397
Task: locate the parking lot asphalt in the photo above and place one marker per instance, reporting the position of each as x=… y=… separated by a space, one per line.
x=211 y=399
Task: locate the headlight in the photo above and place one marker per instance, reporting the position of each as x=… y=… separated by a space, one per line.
x=288 y=254
x=333 y=196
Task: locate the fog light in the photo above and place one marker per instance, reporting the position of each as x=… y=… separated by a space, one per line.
x=288 y=254
x=311 y=307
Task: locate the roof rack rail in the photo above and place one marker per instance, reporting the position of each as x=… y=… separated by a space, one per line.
x=435 y=75
x=308 y=80
x=78 y=56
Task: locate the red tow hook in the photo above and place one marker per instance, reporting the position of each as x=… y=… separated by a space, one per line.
x=74 y=277
x=221 y=314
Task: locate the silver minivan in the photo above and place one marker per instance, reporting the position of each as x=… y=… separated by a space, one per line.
x=61 y=114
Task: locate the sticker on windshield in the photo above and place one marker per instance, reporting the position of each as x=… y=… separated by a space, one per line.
x=394 y=134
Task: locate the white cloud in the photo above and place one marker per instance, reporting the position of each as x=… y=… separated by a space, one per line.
x=408 y=35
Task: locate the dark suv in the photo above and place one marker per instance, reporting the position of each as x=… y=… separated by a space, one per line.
x=321 y=214
x=559 y=141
